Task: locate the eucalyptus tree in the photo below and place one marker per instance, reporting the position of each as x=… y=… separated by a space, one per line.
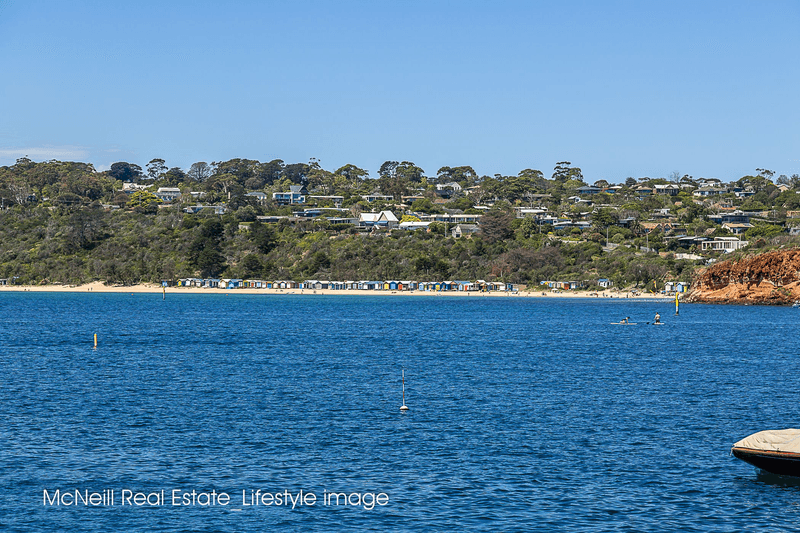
x=200 y=171
x=564 y=171
x=352 y=176
x=155 y=168
x=124 y=171
x=173 y=177
x=464 y=175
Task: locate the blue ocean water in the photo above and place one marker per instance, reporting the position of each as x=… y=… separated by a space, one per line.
x=525 y=414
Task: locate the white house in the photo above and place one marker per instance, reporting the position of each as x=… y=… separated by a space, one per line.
x=737 y=228
x=725 y=244
x=260 y=197
x=414 y=225
x=384 y=219
x=168 y=194
x=708 y=191
x=375 y=197
x=451 y=218
x=216 y=209
x=130 y=187
x=452 y=186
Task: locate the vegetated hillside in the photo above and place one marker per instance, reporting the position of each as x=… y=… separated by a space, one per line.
x=767 y=278
x=77 y=244
x=65 y=222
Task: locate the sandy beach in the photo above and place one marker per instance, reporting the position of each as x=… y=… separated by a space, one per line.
x=154 y=288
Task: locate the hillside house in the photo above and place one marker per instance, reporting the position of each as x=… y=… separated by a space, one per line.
x=258 y=196
x=708 y=191
x=739 y=217
x=295 y=195
x=724 y=244
x=667 y=189
x=384 y=219
x=464 y=230
x=737 y=228
x=378 y=197
x=168 y=194
x=335 y=200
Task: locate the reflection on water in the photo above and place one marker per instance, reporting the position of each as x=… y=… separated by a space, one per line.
x=775 y=480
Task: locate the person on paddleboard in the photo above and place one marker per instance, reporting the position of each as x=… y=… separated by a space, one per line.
x=658 y=318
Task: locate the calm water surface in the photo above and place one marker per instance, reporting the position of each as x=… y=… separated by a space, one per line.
x=525 y=414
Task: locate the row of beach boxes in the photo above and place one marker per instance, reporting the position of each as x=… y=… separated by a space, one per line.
x=480 y=285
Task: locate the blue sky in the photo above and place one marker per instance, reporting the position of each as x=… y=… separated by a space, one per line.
x=618 y=88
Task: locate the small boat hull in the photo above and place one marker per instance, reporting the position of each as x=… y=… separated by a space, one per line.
x=780 y=463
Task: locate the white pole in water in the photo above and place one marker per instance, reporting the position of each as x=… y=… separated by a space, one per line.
x=404 y=407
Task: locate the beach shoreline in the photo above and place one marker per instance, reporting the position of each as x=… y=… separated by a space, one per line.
x=155 y=288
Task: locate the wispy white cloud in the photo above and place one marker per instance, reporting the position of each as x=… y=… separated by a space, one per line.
x=44 y=153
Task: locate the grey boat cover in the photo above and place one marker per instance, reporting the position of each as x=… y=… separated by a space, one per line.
x=774 y=440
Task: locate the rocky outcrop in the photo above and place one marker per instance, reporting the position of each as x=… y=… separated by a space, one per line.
x=771 y=278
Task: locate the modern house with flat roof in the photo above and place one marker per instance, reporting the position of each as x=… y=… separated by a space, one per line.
x=376 y=197
x=724 y=244
x=667 y=189
x=168 y=194
x=295 y=195
x=336 y=200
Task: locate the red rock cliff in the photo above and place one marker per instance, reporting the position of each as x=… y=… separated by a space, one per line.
x=771 y=278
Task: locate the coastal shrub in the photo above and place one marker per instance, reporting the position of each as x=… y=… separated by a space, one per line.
x=437 y=228
x=342 y=227
x=764 y=231
x=246 y=213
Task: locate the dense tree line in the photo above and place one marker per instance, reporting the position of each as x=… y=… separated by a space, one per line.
x=57 y=224
x=73 y=244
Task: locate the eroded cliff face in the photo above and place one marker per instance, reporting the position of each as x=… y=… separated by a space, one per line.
x=771 y=278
